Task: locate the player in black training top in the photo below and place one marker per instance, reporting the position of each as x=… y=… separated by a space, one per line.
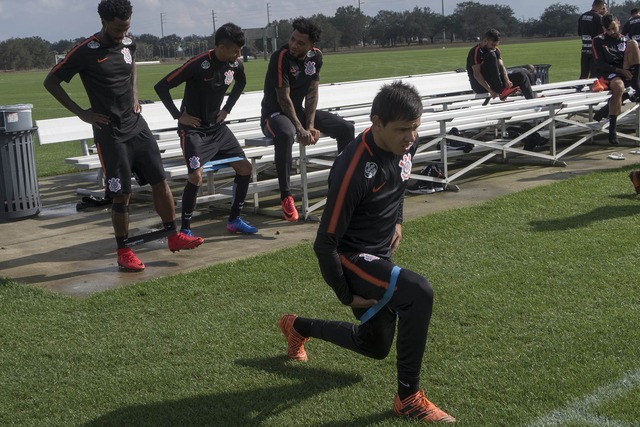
x=617 y=60
x=487 y=73
x=292 y=79
x=204 y=136
x=631 y=28
x=106 y=65
x=589 y=26
x=360 y=228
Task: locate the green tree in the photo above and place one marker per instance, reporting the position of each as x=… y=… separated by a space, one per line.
x=386 y=27
x=350 y=22
x=330 y=37
x=25 y=54
x=559 y=20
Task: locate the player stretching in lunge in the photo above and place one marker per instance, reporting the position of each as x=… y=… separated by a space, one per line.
x=360 y=228
x=203 y=134
x=106 y=65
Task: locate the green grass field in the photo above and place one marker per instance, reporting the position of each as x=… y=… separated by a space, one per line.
x=536 y=323
x=26 y=87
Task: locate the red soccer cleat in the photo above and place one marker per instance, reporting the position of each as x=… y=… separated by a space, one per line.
x=128 y=261
x=508 y=91
x=289 y=211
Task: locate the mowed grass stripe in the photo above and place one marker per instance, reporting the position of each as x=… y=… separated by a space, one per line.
x=536 y=309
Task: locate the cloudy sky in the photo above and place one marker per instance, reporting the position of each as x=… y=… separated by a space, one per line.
x=55 y=20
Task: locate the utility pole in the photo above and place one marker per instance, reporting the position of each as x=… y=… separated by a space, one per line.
x=268 y=16
x=162 y=21
x=444 y=34
x=360 y=5
x=213 y=17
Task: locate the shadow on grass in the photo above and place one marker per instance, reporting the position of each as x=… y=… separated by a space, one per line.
x=244 y=408
x=602 y=213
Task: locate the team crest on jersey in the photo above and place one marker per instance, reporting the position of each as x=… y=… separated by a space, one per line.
x=115 y=185
x=369 y=257
x=228 y=77
x=194 y=162
x=93 y=44
x=370 y=170
x=127 y=41
x=310 y=68
x=205 y=65
x=127 y=55
x=405 y=166
x=622 y=46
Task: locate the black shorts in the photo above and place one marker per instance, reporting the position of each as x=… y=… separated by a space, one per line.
x=120 y=160
x=199 y=147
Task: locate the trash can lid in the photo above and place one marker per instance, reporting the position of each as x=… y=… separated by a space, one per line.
x=16 y=107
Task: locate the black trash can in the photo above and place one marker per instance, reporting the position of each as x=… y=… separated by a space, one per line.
x=19 y=193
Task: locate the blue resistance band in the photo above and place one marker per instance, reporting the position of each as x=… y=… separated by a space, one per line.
x=385 y=298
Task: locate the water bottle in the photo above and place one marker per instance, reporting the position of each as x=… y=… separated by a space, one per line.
x=538 y=81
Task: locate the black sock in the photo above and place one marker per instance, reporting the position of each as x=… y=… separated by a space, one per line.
x=612 y=125
x=407 y=387
x=240 y=187
x=635 y=80
x=189 y=199
x=121 y=241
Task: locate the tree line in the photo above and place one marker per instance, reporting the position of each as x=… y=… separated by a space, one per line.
x=348 y=28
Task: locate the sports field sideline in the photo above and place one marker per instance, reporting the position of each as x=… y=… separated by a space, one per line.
x=536 y=321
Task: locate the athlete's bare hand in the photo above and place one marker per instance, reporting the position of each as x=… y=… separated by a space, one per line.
x=189 y=120
x=305 y=137
x=94 y=119
x=360 y=302
x=493 y=94
x=222 y=115
x=315 y=133
x=137 y=107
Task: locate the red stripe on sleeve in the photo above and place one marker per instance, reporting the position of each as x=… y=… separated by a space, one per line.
x=344 y=185
x=280 y=58
x=71 y=52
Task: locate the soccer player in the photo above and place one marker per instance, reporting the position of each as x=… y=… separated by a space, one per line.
x=293 y=76
x=589 y=26
x=618 y=61
x=106 y=65
x=487 y=73
x=631 y=28
x=360 y=228
x=203 y=134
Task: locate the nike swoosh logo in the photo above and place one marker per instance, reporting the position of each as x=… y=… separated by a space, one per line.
x=376 y=189
x=207 y=79
x=103 y=59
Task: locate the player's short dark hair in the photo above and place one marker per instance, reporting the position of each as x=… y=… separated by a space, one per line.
x=492 y=34
x=634 y=11
x=230 y=32
x=112 y=9
x=607 y=20
x=597 y=3
x=308 y=27
x=397 y=101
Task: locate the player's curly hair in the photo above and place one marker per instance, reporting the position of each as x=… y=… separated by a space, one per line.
x=397 y=101
x=112 y=9
x=309 y=27
x=230 y=32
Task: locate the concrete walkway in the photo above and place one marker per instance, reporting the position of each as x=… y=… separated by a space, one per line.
x=73 y=252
